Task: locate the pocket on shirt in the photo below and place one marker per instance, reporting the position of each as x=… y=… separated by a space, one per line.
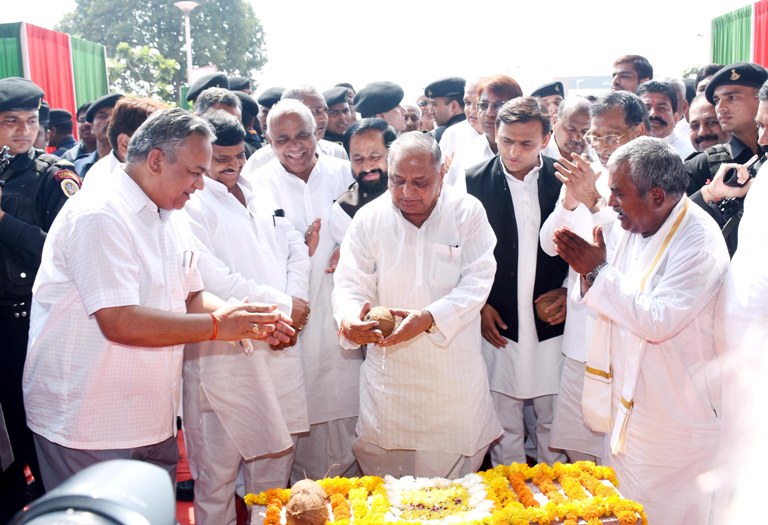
x=444 y=265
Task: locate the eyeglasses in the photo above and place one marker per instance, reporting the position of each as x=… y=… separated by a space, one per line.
x=484 y=105
x=608 y=140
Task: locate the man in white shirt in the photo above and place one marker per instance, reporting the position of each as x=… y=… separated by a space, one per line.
x=117 y=296
x=304 y=185
x=521 y=347
x=653 y=379
x=663 y=111
x=426 y=253
x=241 y=410
x=310 y=97
x=569 y=126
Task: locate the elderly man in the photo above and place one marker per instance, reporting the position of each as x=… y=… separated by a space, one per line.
x=35 y=187
x=522 y=349
x=246 y=251
x=128 y=115
x=617 y=118
x=303 y=185
x=652 y=373
x=426 y=253
x=117 y=296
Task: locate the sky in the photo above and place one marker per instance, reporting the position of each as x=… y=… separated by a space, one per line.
x=413 y=42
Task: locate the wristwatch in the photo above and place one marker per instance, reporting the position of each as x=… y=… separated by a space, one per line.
x=433 y=327
x=599 y=205
x=592 y=275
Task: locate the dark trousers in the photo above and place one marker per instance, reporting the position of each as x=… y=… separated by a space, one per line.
x=14 y=490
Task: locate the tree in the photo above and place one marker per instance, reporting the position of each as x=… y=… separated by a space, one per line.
x=225 y=33
x=142 y=71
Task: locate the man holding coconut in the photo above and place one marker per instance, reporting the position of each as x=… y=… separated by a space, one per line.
x=426 y=253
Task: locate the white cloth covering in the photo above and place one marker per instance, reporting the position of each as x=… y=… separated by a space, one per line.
x=102 y=174
x=431 y=392
x=474 y=152
x=331 y=375
x=673 y=433
x=106 y=250
x=681 y=142
x=455 y=137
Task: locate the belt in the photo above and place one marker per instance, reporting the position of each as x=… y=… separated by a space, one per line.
x=18 y=310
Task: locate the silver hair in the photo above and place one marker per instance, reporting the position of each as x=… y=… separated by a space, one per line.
x=216 y=95
x=299 y=92
x=414 y=142
x=575 y=104
x=285 y=106
x=679 y=86
x=166 y=130
x=652 y=163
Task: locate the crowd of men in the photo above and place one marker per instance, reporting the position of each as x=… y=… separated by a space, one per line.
x=565 y=273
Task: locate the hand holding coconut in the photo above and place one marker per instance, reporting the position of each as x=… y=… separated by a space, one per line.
x=361 y=330
x=551 y=306
x=414 y=323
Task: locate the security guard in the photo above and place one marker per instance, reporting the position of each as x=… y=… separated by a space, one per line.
x=35 y=185
x=382 y=100
x=446 y=103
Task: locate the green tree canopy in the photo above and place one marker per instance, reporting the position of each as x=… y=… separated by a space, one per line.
x=225 y=33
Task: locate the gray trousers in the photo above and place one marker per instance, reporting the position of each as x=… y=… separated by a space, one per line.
x=59 y=463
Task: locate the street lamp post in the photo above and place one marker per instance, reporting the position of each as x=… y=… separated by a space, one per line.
x=186 y=8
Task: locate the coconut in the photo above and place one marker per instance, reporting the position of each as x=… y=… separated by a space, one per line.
x=542 y=305
x=383 y=317
x=307 y=505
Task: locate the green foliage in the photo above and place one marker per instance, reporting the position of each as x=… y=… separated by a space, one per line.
x=225 y=33
x=142 y=71
x=691 y=72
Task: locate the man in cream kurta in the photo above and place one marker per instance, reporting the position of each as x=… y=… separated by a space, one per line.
x=427 y=254
x=304 y=185
x=242 y=408
x=656 y=300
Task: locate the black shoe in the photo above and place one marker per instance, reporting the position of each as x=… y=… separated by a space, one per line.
x=185 y=490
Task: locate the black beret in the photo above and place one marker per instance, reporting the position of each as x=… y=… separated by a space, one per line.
x=58 y=116
x=45 y=113
x=737 y=74
x=335 y=95
x=548 y=90
x=19 y=94
x=446 y=87
x=207 y=81
x=247 y=102
x=270 y=96
x=238 y=83
x=107 y=101
x=377 y=97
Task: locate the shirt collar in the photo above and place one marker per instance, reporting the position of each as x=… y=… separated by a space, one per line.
x=134 y=197
x=531 y=176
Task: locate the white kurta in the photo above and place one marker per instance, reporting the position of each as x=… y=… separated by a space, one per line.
x=467 y=155
x=674 y=427
x=525 y=368
x=681 y=143
x=102 y=175
x=248 y=253
x=429 y=393
x=331 y=374
x=741 y=337
x=106 y=250
x=456 y=136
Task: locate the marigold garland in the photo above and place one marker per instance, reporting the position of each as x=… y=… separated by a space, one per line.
x=364 y=501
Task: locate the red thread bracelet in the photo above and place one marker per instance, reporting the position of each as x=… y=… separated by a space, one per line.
x=215 y=333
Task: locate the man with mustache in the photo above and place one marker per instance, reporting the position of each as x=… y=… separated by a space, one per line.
x=705 y=128
x=367 y=143
x=661 y=100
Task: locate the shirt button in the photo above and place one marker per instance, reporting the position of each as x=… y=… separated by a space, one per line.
x=23 y=275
